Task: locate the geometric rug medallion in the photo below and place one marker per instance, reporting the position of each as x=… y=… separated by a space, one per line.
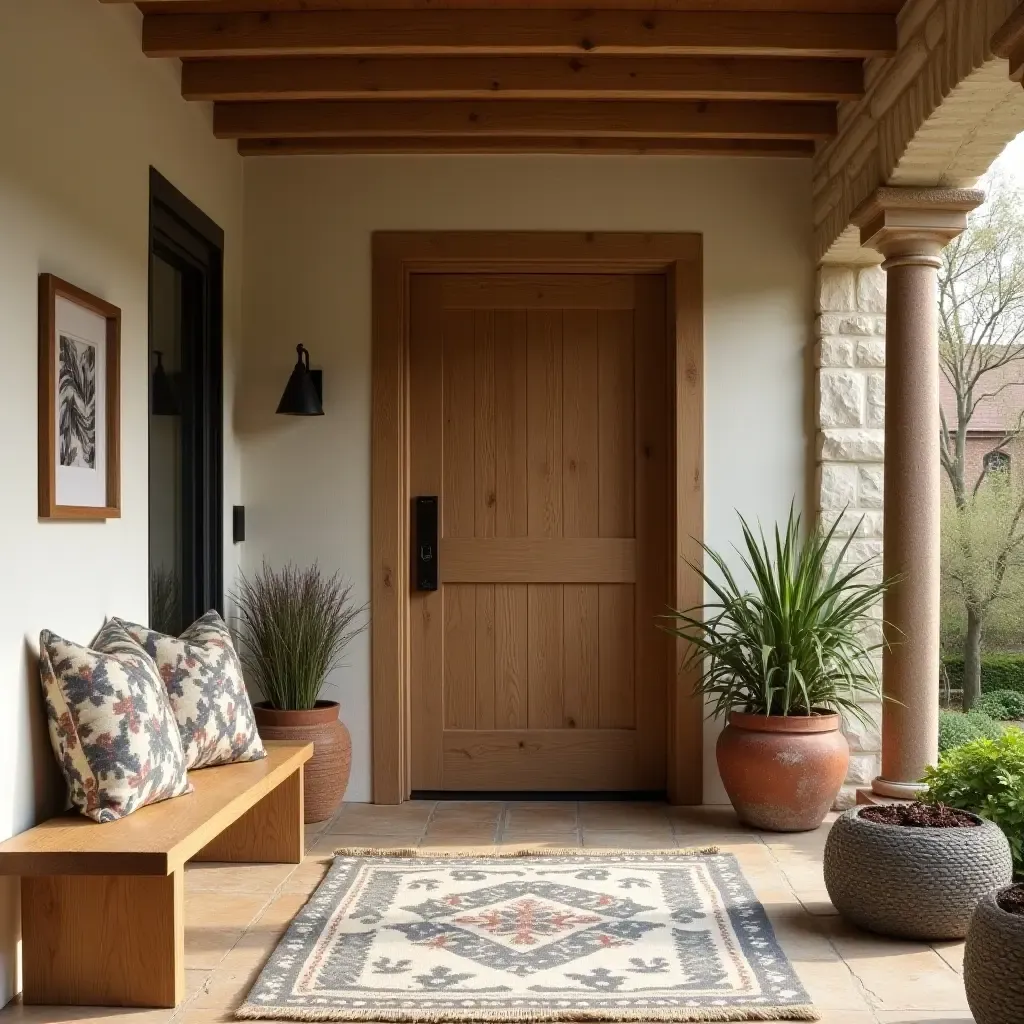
x=549 y=936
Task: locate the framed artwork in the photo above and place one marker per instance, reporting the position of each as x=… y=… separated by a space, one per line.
x=79 y=403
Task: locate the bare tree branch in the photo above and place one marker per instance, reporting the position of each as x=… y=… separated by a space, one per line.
x=981 y=337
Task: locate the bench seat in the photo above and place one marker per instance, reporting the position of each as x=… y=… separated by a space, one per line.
x=102 y=906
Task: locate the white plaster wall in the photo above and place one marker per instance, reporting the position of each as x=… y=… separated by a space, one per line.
x=84 y=114
x=308 y=225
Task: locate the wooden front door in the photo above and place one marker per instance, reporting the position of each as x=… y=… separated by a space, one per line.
x=540 y=418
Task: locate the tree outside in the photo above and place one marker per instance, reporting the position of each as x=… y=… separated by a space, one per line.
x=981 y=353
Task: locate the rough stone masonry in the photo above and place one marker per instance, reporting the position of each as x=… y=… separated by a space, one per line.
x=850 y=407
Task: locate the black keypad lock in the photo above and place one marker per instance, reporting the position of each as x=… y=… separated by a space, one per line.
x=425 y=554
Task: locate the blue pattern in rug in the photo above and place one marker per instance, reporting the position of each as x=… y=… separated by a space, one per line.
x=572 y=936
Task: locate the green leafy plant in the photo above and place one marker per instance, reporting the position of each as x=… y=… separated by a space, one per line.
x=293 y=626
x=956 y=729
x=998 y=672
x=1003 y=705
x=800 y=641
x=987 y=777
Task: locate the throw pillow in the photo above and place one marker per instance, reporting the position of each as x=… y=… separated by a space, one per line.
x=110 y=723
x=203 y=676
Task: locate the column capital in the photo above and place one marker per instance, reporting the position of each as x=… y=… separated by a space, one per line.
x=914 y=225
x=1008 y=42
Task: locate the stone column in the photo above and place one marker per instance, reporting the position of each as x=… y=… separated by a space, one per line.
x=910 y=227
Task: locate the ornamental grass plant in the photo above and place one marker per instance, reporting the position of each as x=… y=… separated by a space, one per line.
x=293 y=627
x=799 y=639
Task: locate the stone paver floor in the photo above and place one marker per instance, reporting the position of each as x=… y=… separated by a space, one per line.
x=236 y=914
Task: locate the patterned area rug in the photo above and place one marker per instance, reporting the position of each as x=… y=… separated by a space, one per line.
x=554 y=936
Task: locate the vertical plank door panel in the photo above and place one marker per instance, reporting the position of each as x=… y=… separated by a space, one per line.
x=486 y=493
x=580 y=452
x=616 y=628
x=510 y=419
x=544 y=656
x=544 y=424
x=547 y=420
x=484 y=432
x=485 y=660
x=580 y=495
x=459 y=368
x=460 y=656
x=581 y=699
x=426 y=609
x=615 y=422
x=511 y=691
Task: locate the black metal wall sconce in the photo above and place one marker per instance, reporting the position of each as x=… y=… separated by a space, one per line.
x=303 y=394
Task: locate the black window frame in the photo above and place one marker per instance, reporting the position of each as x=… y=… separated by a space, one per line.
x=185 y=237
x=997 y=461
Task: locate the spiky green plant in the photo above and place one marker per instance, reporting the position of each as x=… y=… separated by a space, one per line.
x=293 y=626
x=798 y=641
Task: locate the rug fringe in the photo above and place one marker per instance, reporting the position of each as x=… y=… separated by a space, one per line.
x=522 y=851
x=694 y=1015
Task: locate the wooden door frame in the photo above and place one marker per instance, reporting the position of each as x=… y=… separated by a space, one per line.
x=396 y=257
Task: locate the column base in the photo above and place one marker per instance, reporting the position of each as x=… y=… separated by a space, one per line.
x=867 y=797
x=897 y=790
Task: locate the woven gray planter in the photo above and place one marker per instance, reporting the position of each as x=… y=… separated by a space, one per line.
x=915 y=883
x=994 y=964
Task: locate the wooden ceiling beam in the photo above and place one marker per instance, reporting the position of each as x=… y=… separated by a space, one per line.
x=802 y=6
x=429 y=118
x=489 y=144
x=682 y=78
x=570 y=32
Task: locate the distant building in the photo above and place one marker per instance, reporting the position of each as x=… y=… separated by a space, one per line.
x=996 y=415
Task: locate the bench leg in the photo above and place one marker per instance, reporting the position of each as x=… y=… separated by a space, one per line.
x=270 y=832
x=103 y=940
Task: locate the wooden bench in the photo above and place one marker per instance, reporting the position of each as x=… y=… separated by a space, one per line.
x=102 y=906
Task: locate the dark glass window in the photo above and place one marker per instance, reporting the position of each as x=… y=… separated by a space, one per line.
x=997 y=462
x=185 y=375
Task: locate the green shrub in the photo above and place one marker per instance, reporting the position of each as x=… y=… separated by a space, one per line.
x=956 y=729
x=987 y=777
x=998 y=672
x=1003 y=705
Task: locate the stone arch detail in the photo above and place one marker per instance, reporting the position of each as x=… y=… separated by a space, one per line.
x=938 y=113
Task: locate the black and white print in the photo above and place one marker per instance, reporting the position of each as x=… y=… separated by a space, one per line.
x=76 y=394
x=644 y=936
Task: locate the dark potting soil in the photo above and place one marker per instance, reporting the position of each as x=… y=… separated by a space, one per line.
x=919 y=815
x=1012 y=900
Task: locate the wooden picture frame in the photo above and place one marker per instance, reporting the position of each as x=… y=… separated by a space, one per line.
x=80 y=410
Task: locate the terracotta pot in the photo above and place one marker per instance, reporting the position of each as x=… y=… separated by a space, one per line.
x=326 y=773
x=783 y=773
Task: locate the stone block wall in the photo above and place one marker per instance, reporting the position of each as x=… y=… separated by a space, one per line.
x=850 y=409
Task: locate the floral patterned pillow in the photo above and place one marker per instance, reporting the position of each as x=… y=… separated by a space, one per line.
x=204 y=681
x=111 y=724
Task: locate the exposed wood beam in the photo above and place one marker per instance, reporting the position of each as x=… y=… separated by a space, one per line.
x=489 y=144
x=324 y=78
x=428 y=118
x=805 y=6
x=518 y=31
